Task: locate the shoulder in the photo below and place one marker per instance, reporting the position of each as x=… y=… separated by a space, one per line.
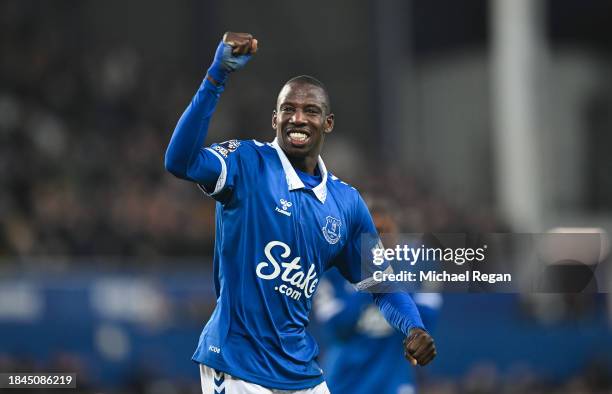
x=347 y=193
x=239 y=148
x=357 y=213
x=341 y=186
x=343 y=189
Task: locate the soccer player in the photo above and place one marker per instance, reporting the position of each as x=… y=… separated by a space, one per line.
x=350 y=324
x=281 y=220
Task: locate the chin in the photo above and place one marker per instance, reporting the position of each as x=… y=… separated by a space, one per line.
x=295 y=151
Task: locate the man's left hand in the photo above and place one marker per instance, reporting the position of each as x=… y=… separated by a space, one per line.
x=419 y=347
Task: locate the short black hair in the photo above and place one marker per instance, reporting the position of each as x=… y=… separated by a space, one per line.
x=310 y=80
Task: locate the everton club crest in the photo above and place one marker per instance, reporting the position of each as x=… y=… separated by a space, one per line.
x=331 y=230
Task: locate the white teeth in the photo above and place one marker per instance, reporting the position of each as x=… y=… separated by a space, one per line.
x=295 y=135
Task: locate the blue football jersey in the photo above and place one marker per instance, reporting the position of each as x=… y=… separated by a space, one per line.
x=275 y=236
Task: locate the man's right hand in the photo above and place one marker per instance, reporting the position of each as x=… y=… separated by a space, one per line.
x=233 y=52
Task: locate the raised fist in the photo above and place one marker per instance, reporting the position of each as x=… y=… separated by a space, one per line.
x=241 y=43
x=233 y=52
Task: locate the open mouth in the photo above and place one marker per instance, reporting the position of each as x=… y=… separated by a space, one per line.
x=298 y=137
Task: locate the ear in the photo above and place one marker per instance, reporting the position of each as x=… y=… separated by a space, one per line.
x=329 y=124
x=274 y=122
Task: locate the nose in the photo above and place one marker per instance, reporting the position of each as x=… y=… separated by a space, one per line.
x=298 y=117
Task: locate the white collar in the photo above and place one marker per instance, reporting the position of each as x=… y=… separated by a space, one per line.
x=293 y=180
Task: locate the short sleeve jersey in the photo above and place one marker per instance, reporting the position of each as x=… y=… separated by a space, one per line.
x=275 y=237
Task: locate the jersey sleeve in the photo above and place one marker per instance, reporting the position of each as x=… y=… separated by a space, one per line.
x=185 y=158
x=227 y=158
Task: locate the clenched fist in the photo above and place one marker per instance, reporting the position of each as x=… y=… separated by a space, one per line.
x=419 y=347
x=241 y=43
x=233 y=52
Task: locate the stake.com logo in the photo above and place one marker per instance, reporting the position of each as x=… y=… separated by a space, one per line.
x=292 y=273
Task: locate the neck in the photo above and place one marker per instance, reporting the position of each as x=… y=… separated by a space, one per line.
x=306 y=164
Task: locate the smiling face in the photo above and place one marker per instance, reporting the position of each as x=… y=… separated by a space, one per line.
x=301 y=119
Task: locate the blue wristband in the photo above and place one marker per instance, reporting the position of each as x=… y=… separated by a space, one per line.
x=224 y=63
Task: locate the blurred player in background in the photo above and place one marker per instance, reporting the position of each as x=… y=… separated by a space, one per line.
x=281 y=221
x=357 y=336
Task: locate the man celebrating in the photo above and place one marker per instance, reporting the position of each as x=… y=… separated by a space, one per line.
x=281 y=221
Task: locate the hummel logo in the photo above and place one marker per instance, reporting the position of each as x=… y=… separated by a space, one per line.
x=219 y=380
x=286 y=205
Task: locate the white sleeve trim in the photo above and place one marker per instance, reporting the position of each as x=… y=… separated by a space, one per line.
x=222 y=176
x=370 y=282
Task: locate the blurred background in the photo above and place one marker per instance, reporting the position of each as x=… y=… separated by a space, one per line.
x=472 y=115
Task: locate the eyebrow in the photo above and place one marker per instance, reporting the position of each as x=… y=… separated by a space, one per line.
x=321 y=107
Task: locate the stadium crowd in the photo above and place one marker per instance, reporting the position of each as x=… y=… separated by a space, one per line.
x=82 y=130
